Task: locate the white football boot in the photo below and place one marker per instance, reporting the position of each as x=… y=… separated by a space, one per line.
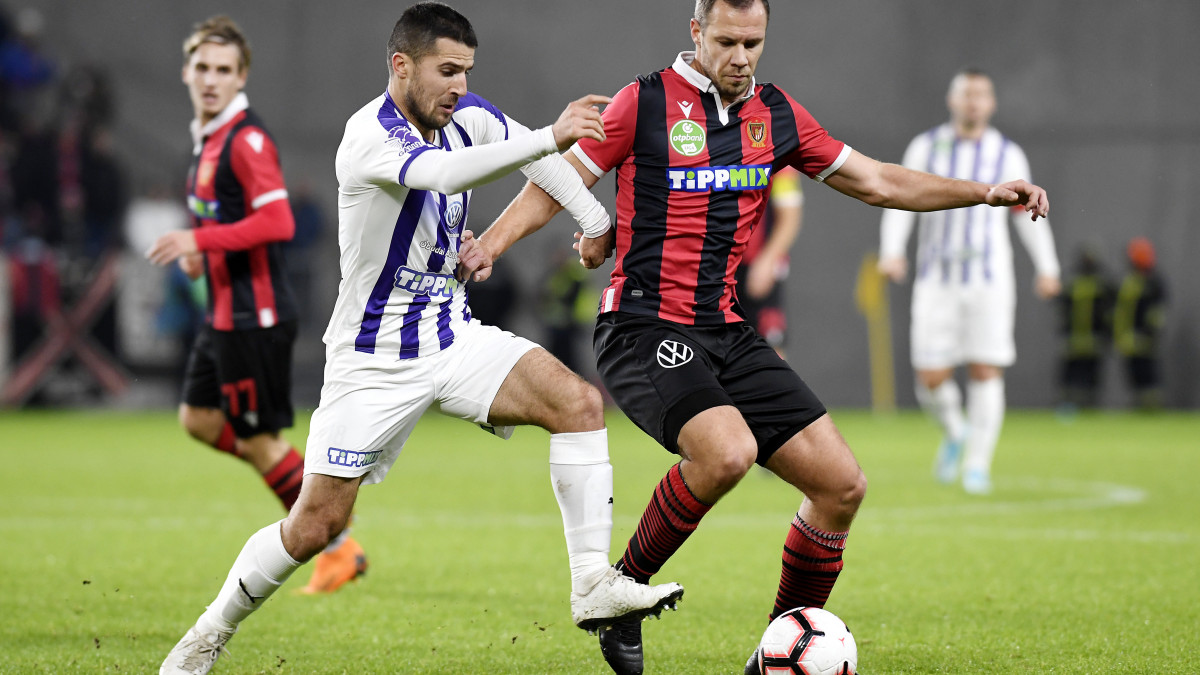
x=196 y=653
x=616 y=597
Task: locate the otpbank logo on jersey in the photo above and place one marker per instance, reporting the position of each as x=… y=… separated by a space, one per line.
x=426 y=283
x=688 y=138
x=351 y=458
x=720 y=178
x=206 y=209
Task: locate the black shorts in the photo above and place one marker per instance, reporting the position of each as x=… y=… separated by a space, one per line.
x=245 y=373
x=662 y=374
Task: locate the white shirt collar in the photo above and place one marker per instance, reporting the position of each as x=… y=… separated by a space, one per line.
x=237 y=105
x=683 y=66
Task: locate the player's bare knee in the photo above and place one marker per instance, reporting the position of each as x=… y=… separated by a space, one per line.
x=849 y=495
x=932 y=379
x=201 y=424
x=578 y=407
x=589 y=407
x=729 y=467
x=857 y=492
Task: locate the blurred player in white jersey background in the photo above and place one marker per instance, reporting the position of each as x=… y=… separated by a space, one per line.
x=964 y=292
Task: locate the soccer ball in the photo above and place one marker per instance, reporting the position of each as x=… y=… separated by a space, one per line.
x=807 y=641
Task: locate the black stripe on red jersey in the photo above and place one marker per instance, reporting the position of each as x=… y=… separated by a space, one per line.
x=713 y=273
x=783 y=123
x=642 y=263
x=250 y=273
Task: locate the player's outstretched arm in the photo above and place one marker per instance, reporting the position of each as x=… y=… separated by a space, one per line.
x=468 y=168
x=895 y=187
x=532 y=208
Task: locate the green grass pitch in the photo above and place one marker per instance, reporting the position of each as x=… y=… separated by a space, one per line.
x=116 y=530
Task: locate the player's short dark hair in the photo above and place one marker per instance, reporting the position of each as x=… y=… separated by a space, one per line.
x=220 y=30
x=704 y=8
x=421 y=25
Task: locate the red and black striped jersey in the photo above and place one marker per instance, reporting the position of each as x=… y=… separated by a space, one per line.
x=692 y=179
x=238 y=204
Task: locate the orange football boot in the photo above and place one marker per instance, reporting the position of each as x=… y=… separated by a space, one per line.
x=333 y=569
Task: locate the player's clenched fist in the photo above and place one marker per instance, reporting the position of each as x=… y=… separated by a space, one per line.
x=581 y=119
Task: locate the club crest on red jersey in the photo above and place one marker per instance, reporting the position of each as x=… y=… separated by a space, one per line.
x=756 y=131
x=205 y=173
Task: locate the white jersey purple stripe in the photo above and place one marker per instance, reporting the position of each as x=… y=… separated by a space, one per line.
x=399 y=246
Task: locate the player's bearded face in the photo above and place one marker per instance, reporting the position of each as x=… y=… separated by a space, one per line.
x=438 y=80
x=729 y=46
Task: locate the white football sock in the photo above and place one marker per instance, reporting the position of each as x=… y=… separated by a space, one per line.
x=582 y=479
x=985 y=411
x=260 y=569
x=944 y=404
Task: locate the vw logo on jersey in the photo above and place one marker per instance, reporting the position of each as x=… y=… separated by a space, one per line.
x=454 y=214
x=688 y=138
x=672 y=354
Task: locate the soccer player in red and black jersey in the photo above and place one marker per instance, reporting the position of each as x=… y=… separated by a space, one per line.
x=694 y=146
x=237 y=387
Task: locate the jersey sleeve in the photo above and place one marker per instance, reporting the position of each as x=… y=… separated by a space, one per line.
x=383 y=160
x=255 y=161
x=818 y=154
x=620 y=124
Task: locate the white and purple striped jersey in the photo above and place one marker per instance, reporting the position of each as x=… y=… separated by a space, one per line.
x=399 y=236
x=968 y=246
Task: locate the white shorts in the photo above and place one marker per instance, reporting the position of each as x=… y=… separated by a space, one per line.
x=953 y=325
x=371 y=403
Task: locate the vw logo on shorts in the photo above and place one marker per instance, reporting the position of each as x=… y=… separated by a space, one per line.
x=672 y=354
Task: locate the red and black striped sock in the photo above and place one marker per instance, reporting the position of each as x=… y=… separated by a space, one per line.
x=227 y=441
x=812 y=559
x=284 y=480
x=673 y=514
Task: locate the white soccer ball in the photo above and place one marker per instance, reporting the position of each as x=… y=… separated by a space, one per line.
x=807 y=641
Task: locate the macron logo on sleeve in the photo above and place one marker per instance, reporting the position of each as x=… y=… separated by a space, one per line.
x=255 y=139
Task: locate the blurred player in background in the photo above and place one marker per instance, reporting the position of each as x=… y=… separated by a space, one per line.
x=765 y=265
x=693 y=146
x=1138 y=319
x=964 y=295
x=402 y=340
x=238 y=383
x=1086 y=311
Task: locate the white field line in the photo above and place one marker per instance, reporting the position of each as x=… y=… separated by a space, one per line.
x=1058 y=495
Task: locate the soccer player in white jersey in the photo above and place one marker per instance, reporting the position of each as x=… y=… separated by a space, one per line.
x=401 y=338
x=964 y=295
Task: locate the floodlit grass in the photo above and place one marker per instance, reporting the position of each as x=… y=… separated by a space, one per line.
x=116 y=530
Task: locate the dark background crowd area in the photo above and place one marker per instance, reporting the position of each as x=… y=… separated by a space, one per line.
x=94 y=148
